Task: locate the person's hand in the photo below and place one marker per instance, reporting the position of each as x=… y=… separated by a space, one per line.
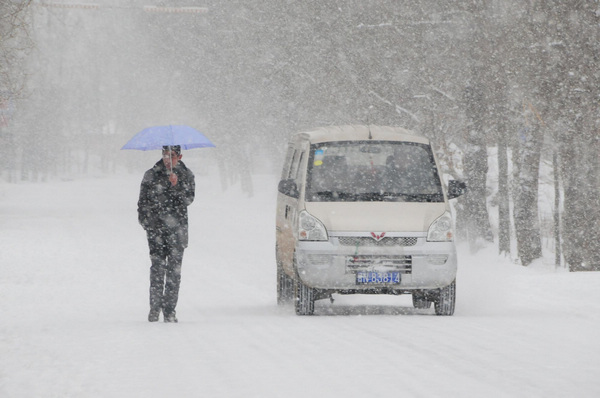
x=173 y=179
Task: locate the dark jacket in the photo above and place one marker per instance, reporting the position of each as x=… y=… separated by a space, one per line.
x=162 y=208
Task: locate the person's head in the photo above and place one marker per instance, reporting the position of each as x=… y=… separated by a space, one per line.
x=171 y=155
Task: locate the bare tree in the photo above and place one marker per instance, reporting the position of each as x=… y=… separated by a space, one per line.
x=14 y=43
x=573 y=87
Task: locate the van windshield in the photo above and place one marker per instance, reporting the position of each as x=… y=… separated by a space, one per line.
x=385 y=171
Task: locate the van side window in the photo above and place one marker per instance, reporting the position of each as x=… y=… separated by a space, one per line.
x=298 y=166
x=287 y=165
x=295 y=162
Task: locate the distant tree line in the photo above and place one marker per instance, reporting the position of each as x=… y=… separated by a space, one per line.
x=519 y=77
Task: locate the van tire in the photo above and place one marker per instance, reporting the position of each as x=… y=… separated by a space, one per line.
x=444 y=302
x=305 y=298
x=285 y=286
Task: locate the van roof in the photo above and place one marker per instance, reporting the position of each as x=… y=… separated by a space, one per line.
x=360 y=133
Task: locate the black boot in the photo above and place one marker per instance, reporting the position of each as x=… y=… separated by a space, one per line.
x=153 y=315
x=170 y=317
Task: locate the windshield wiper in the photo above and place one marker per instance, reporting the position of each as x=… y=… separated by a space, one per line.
x=371 y=197
x=334 y=196
x=414 y=197
x=338 y=196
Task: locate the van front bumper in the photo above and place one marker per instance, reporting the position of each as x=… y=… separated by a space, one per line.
x=337 y=263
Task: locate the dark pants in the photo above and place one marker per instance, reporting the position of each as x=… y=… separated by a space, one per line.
x=166 y=254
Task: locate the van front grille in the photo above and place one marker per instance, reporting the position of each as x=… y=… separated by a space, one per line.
x=388 y=263
x=367 y=241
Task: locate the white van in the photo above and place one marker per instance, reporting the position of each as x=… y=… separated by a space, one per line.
x=363 y=210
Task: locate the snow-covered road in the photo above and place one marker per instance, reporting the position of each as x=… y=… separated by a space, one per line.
x=74 y=293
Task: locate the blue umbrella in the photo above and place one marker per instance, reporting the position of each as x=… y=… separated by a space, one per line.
x=158 y=136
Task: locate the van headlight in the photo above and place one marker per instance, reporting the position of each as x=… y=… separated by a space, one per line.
x=310 y=228
x=441 y=229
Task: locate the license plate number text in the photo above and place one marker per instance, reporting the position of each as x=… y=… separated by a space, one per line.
x=370 y=277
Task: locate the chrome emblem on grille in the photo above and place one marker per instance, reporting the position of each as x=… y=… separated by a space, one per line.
x=377 y=237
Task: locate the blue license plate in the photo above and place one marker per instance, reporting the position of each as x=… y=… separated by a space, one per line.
x=369 y=277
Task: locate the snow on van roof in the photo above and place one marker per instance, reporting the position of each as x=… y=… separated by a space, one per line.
x=356 y=133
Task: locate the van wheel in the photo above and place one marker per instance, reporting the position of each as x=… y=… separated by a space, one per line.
x=305 y=298
x=420 y=301
x=285 y=286
x=444 y=303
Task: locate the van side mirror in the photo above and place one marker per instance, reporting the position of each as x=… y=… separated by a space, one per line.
x=456 y=189
x=289 y=188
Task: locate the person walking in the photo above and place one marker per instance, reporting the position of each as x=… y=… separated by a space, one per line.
x=166 y=191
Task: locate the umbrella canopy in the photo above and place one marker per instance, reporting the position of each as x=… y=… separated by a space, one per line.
x=158 y=136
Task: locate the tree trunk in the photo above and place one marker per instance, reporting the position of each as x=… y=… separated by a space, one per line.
x=574 y=212
x=503 y=202
x=581 y=219
x=557 y=246
x=478 y=225
x=475 y=165
x=529 y=242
